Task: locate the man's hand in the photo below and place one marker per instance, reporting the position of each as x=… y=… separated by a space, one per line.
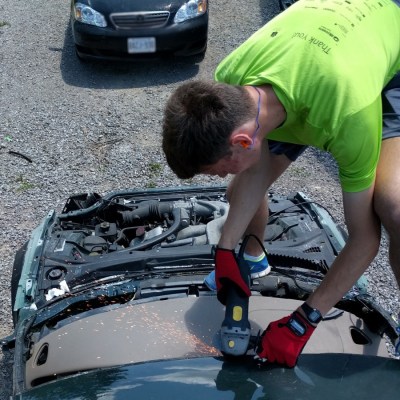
x=227 y=271
x=283 y=340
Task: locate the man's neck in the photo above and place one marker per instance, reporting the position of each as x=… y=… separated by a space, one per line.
x=272 y=112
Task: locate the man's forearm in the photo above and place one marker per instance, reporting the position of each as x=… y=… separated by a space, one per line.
x=243 y=205
x=248 y=192
x=360 y=249
x=350 y=264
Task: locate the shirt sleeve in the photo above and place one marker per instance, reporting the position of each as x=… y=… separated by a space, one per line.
x=357 y=146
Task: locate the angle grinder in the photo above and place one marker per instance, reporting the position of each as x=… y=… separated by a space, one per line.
x=235 y=329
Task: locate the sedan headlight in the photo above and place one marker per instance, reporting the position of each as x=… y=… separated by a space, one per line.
x=85 y=14
x=191 y=9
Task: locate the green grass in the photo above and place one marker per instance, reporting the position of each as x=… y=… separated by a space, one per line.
x=24 y=185
x=155 y=169
x=151 y=185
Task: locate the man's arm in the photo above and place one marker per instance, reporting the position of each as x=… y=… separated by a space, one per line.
x=246 y=195
x=361 y=248
x=248 y=192
x=283 y=340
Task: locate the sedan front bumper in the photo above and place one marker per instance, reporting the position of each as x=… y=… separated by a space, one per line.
x=184 y=39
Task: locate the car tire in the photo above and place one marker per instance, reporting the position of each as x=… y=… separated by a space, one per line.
x=16 y=276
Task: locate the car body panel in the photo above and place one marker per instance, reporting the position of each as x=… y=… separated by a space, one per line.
x=173 y=329
x=107 y=7
x=328 y=377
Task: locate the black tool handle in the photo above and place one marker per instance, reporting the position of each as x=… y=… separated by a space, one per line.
x=235 y=329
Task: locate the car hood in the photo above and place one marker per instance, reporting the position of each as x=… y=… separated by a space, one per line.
x=333 y=376
x=177 y=328
x=107 y=6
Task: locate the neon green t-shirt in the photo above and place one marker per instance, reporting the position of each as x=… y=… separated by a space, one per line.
x=327 y=61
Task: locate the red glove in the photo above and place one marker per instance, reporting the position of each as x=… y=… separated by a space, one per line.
x=283 y=340
x=227 y=271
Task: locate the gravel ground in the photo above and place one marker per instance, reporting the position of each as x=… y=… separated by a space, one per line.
x=96 y=127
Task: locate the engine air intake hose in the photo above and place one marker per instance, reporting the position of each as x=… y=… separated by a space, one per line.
x=158 y=239
x=150 y=210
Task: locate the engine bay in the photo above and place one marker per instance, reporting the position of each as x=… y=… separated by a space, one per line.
x=130 y=232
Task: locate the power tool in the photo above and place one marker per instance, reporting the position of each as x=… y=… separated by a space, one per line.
x=236 y=329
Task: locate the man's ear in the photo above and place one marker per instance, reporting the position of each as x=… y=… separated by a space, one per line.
x=241 y=138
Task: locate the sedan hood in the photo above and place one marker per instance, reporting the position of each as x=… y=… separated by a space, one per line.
x=107 y=6
x=179 y=328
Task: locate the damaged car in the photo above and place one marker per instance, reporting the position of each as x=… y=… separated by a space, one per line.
x=109 y=301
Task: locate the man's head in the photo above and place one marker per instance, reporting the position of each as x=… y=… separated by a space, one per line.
x=199 y=120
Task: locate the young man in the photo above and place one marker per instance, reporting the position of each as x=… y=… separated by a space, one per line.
x=322 y=73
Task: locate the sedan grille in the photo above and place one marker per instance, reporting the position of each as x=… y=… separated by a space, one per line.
x=152 y=19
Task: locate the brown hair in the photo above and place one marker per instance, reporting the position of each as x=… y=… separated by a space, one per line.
x=198 y=120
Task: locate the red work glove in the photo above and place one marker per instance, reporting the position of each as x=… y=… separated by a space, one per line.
x=283 y=340
x=227 y=271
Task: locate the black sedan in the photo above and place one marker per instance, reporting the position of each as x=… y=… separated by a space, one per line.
x=124 y=29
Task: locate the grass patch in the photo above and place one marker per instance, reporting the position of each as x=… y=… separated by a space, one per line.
x=155 y=169
x=4 y=23
x=151 y=185
x=24 y=185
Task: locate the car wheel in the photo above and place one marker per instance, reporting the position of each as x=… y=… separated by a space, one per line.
x=15 y=277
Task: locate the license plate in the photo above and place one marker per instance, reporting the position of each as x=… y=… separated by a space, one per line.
x=142 y=45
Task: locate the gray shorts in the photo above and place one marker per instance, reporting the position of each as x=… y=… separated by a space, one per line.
x=391 y=121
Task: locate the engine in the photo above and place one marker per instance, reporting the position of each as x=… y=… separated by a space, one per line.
x=147 y=225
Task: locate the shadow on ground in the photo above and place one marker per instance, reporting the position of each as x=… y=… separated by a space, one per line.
x=121 y=75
